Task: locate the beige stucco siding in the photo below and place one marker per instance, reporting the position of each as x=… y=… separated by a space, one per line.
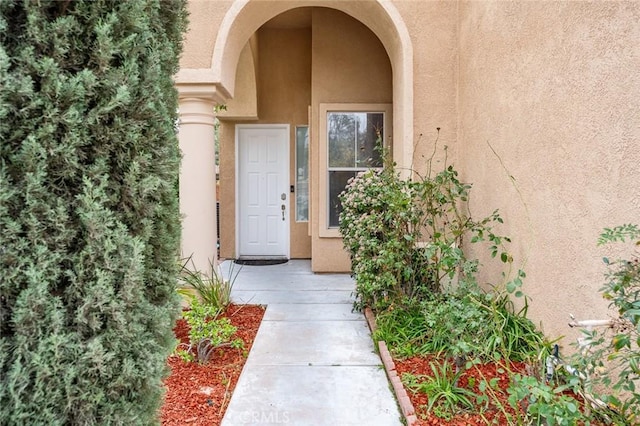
x=349 y=66
x=227 y=190
x=433 y=30
x=284 y=95
x=553 y=87
x=204 y=20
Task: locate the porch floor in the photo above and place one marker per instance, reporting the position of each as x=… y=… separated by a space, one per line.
x=313 y=361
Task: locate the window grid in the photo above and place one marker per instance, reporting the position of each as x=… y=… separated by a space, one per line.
x=332 y=171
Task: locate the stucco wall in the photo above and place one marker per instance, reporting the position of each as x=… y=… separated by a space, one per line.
x=284 y=95
x=553 y=87
x=205 y=17
x=357 y=71
x=432 y=26
x=227 y=192
x=244 y=104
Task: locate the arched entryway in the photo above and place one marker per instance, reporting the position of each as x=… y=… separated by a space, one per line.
x=236 y=50
x=244 y=18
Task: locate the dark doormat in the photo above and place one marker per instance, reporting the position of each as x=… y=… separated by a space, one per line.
x=260 y=262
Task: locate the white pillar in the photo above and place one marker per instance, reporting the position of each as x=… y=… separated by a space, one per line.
x=198 y=175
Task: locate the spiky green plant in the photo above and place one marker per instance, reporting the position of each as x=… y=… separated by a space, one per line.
x=445 y=397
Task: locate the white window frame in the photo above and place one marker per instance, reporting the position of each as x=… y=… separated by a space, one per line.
x=386 y=109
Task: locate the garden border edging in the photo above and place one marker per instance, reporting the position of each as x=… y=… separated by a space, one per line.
x=406 y=407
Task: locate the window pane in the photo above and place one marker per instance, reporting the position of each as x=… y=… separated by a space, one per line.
x=341 y=131
x=302 y=174
x=370 y=133
x=337 y=183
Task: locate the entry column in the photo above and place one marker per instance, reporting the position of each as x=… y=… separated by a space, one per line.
x=198 y=174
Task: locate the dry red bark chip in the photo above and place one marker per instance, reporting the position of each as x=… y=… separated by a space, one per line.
x=198 y=394
x=470 y=379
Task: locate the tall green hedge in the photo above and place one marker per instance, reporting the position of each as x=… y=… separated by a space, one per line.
x=89 y=220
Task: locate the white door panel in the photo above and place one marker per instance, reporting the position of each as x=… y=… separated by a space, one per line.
x=263 y=178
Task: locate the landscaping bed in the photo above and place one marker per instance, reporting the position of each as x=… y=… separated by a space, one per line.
x=465 y=349
x=494 y=409
x=199 y=393
x=506 y=386
x=469 y=379
x=434 y=389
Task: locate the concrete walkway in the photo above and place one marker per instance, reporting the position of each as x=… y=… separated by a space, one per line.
x=313 y=362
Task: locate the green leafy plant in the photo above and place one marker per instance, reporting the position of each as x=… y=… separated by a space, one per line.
x=510 y=334
x=208 y=332
x=185 y=355
x=404 y=328
x=467 y=323
x=445 y=397
x=539 y=403
x=612 y=359
x=489 y=389
x=405 y=237
x=211 y=287
x=375 y=224
x=446 y=323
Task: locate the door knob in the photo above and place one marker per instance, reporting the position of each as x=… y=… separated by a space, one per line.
x=283 y=207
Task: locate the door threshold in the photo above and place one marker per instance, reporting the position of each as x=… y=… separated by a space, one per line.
x=260 y=260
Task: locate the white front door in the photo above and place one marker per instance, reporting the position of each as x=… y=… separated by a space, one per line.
x=262 y=191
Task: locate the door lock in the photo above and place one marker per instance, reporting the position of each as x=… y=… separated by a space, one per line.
x=282 y=207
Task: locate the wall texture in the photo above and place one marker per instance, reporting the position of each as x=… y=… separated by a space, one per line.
x=536 y=101
x=284 y=95
x=204 y=20
x=432 y=26
x=357 y=71
x=553 y=88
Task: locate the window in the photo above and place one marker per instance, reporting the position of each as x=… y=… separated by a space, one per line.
x=302 y=174
x=351 y=135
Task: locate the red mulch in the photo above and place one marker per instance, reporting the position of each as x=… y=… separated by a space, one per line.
x=198 y=394
x=492 y=413
x=477 y=373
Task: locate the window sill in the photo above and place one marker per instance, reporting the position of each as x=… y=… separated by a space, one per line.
x=329 y=233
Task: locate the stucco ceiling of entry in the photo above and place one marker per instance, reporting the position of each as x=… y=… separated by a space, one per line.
x=245 y=17
x=294 y=18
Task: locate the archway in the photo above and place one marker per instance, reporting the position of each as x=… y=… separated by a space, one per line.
x=381 y=17
x=201 y=88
